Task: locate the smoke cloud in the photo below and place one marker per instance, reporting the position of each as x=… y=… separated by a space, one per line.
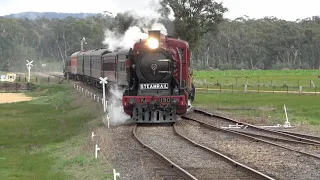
x=115 y=109
x=114 y=40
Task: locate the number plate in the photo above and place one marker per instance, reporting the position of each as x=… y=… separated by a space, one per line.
x=165 y=100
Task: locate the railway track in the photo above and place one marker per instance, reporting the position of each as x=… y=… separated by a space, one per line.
x=263 y=132
x=190 y=159
x=308 y=136
x=256 y=134
x=266 y=157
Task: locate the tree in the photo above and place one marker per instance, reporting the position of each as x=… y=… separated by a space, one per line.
x=193 y=18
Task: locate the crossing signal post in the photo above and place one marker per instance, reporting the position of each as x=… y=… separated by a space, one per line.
x=29 y=64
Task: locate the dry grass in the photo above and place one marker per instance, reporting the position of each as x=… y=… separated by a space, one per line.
x=13 y=97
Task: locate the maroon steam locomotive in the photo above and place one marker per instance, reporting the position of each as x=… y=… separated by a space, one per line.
x=155 y=73
x=159 y=79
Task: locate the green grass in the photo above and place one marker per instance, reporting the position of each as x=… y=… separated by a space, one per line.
x=44 y=138
x=302 y=109
x=264 y=78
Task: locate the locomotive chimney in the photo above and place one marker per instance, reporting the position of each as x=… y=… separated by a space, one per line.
x=154 y=34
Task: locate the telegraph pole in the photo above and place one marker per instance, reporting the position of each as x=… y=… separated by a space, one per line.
x=83 y=41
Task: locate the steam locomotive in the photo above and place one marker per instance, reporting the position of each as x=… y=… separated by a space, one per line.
x=155 y=73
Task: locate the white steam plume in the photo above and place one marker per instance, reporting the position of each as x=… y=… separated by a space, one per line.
x=126 y=41
x=115 y=109
x=115 y=40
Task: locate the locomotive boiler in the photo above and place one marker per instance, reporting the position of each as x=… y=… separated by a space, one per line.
x=159 y=79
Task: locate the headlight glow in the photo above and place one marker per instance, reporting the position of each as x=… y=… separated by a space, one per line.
x=153 y=43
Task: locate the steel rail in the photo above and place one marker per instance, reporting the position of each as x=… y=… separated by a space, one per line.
x=175 y=167
x=277 y=139
x=256 y=127
x=250 y=137
x=308 y=136
x=230 y=160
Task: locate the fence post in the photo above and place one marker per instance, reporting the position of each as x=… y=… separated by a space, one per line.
x=273 y=89
x=287 y=89
x=310 y=83
x=300 y=89
x=232 y=88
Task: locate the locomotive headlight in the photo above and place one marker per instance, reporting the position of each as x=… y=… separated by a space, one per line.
x=152 y=43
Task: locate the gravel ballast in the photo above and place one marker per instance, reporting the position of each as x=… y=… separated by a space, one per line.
x=133 y=161
x=200 y=163
x=274 y=161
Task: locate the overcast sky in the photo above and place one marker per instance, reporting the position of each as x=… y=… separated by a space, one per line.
x=283 y=9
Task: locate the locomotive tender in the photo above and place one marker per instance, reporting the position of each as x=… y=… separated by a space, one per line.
x=156 y=75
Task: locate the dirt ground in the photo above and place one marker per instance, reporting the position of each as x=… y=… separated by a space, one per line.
x=13 y=97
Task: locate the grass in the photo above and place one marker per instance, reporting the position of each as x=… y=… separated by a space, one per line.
x=46 y=138
x=263 y=78
x=267 y=108
x=302 y=109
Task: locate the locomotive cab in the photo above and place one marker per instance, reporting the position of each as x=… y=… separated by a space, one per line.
x=158 y=75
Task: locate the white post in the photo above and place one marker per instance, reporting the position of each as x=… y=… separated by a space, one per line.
x=287 y=123
x=94 y=97
x=104 y=81
x=29 y=64
x=92 y=135
x=245 y=88
x=115 y=174
x=300 y=90
x=106 y=105
x=108 y=120
x=96 y=151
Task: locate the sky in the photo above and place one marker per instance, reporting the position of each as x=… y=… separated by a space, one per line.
x=283 y=9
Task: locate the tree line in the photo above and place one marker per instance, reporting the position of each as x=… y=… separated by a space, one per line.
x=267 y=43
x=216 y=42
